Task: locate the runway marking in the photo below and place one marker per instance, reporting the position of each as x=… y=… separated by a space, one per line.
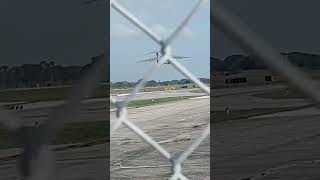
x=277 y=169
x=201 y=97
x=309 y=111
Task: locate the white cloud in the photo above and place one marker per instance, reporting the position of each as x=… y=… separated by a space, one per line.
x=206 y=6
x=121 y=30
x=187 y=32
x=166 y=31
x=160 y=29
x=153 y=16
x=129 y=42
x=124 y=30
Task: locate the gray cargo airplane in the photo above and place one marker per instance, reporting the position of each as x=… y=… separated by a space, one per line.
x=157 y=58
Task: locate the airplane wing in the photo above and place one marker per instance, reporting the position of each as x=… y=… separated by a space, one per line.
x=153 y=52
x=148 y=60
x=180 y=57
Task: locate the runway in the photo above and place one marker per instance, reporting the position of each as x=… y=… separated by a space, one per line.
x=279 y=146
x=90 y=110
x=270 y=147
x=161 y=94
x=89 y=162
x=71 y=164
x=242 y=98
x=174 y=126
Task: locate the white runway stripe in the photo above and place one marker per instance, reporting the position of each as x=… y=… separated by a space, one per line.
x=201 y=97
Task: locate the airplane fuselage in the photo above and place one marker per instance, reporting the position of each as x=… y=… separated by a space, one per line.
x=158 y=57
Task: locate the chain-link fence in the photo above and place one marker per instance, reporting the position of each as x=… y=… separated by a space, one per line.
x=251 y=42
x=248 y=40
x=36 y=160
x=121 y=113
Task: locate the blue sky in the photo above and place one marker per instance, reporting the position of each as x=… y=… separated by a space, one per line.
x=128 y=44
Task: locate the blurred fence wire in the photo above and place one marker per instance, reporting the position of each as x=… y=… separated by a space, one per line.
x=251 y=42
x=36 y=160
x=247 y=39
x=121 y=113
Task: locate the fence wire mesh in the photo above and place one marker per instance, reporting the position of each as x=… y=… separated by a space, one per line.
x=176 y=162
x=36 y=160
x=251 y=42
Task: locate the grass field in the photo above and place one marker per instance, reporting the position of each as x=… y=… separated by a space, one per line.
x=83 y=132
x=150 y=102
x=129 y=90
x=196 y=91
x=44 y=94
x=72 y=133
x=281 y=94
x=57 y=93
x=219 y=116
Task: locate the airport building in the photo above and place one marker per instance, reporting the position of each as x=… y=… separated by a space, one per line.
x=242 y=77
x=249 y=77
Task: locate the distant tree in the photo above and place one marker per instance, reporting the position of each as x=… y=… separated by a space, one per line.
x=152 y=83
x=4 y=68
x=44 y=72
x=185 y=81
x=164 y=83
x=16 y=76
x=51 y=71
x=118 y=85
x=205 y=80
x=4 y=76
x=174 y=82
x=138 y=81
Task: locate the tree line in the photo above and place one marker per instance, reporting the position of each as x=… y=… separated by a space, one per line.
x=43 y=74
x=236 y=63
x=153 y=83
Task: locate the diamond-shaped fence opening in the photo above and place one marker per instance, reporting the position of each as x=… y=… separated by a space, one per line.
x=175 y=161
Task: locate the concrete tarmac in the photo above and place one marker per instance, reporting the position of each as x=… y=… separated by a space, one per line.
x=266 y=148
x=89 y=111
x=278 y=146
x=161 y=94
x=174 y=126
x=80 y=163
x=90 y=162
x=272 y=148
